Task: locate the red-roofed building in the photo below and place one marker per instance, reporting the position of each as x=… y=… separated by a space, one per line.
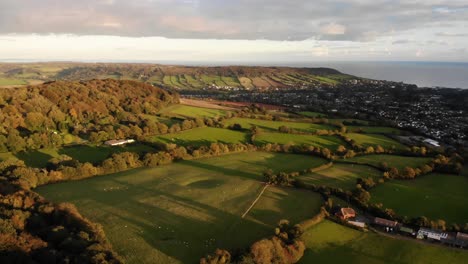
x=346 y=213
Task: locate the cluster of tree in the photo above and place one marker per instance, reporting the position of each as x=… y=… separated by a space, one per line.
x=298 y=149
x=319 y=132
x=33 y=230
x=281 y=178
x=34 y=117
x=440 y=163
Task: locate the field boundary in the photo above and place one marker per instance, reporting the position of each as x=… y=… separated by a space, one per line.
x=255 y=201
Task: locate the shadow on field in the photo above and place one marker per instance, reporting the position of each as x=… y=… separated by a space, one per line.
x=222 y=170
x=177 y=226
x=34 y=158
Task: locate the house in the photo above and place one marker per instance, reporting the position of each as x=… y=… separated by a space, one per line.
x=119 y=142
x=345 y=213
x=426 y=233
x=385 y=223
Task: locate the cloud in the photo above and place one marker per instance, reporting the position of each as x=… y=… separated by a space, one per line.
x=354 y=20
x=333 y=29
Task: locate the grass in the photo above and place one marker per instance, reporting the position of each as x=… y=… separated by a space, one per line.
x=179 y=212
x=437 y=196
x=203 y=136
x=271 y=126
x=340 y=176
x=366 y=140
x=6 y=156
x=399 y=162
x=330 y=142
x=312 y=114
x=192 y=111
x=10 y=81
x=329 y=242
x=374 y=129
x=266 y=210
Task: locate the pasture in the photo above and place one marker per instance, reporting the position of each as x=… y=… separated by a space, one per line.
x=399 y=162
x=202 y=136
x=330 y=142
x=367 y=140
x=179 y=212
x=437 y=196
x=179 y=110
x=329 y=242
x=340 y=176
x=374 y=130
x=270 y=126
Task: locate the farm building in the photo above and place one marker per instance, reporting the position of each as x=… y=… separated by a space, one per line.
x=119 y=142
x=431 y=142
x=358 y=224
x=346 y=213
x=425 y=233
x=385 y=223
x=461 y=240
x=407 y=230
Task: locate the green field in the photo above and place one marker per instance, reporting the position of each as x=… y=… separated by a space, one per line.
x=437 y=196
x=10 y=81
x=399 y=162
x=329 y=242
x=202 y=136
x=179 y=212
x=330 y=142
x=374 y=129
x=312 y=114
x=267 y=125
x=192 y=111
x=340 y=176
x=366 y=140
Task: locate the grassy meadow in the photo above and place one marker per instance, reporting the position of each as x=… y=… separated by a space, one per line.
x=202 y=136
x=330 y=142
x=437 y=196
x=340 y=175
x=179 y=212
x=374 y=129
x=270 y=126
x=180 y=110
x=399 y=162
x=366 y=140
x=329 y=242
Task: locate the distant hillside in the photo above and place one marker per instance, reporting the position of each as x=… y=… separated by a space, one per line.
x=177 y=77
x=112 y=108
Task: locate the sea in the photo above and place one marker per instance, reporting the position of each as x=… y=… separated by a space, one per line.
x=423 y=74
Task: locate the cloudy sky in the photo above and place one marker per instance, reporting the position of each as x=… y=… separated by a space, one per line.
x=234 y=30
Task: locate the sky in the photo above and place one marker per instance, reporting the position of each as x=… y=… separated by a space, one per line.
x=234 y=30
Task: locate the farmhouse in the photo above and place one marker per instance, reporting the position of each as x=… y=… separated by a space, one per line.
x=345 y=213
x=385 y=223
x=119 y=142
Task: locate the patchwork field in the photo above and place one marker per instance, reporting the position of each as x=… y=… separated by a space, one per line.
x=329 y=242
x=437 y=196
x=330 y=142
x=340 y=175
x=179 y=212
x=267 y=125
x=366 y=140
x=203 y=136
x=312 y=114
x=399 y=162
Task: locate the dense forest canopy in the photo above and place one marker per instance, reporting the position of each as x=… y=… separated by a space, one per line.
x=37 y=116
